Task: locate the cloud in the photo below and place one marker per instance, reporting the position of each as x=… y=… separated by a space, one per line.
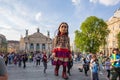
x=16 y=16
x=38 y=16
x=109 y=2
x=5 y=27
x=80 y=7
x=76 y=2
x=13 y=34
x=13 y=19
x=12 y=15
x=106 y=2
x=94 y=1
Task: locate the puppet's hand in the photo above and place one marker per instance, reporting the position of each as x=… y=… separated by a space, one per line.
x=70 y=57
x=53 y=55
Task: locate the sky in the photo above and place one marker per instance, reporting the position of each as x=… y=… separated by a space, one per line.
x=18 y=15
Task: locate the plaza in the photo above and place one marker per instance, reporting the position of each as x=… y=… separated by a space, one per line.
x=33 y=72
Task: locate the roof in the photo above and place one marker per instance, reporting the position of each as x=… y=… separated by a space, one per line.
x=37 y=35
x=13 y=41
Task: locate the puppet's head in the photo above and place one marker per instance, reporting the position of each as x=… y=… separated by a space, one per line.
x=63 y=29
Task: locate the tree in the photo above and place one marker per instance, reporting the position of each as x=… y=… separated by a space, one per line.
x=118 y=38
x=92 y=34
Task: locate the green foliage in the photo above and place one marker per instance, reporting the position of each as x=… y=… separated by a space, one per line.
x=92 y=34
x=118 y=38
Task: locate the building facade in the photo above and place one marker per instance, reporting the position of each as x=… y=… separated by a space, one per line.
x=114 y=27
x=36 y=42
x=13 y=46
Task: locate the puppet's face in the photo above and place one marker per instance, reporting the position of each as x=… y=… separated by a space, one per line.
x=63 y=28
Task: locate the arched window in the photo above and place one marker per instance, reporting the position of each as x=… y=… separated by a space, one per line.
x=37 y=47
x=43 y=46
x=31 y=46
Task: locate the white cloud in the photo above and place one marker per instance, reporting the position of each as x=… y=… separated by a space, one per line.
x=5 y=26
x=38 y=16
x=79 y=8
x=109 y=2
x=13 y=34
x=94 y=1
x=76 y=2
x=15 y=20
x=106 y=2
x=15 y=17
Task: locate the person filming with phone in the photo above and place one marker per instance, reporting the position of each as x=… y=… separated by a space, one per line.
x=115 y=61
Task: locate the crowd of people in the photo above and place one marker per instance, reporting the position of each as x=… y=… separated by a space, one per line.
x=62 y=56
x=20 y=60
x=101 y=64
x=95 y=63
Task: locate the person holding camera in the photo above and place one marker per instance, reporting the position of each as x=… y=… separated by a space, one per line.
x=115 y=60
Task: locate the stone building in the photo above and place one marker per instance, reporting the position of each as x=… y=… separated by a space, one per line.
x=36 y=42
x=13 y=46
x=3 y=43
x=114 y=27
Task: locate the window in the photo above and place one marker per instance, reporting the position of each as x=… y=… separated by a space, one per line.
x=113 y=44
x=43 y=46
x=31 y=46
x=113 y=28
x=37 y=46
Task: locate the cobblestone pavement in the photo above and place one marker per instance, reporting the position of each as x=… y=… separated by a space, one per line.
x=32 y=72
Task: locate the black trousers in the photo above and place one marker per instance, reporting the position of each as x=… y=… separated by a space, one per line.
x=108 y=73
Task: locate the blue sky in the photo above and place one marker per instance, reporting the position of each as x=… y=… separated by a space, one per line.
x=18 y=15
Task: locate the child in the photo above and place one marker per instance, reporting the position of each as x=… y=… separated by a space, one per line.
x=85 y=66
x=94 y=67
x=61 y=49
x=107 y=67
x=44 y=60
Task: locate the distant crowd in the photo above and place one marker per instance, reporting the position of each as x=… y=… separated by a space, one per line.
x=95 y=63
